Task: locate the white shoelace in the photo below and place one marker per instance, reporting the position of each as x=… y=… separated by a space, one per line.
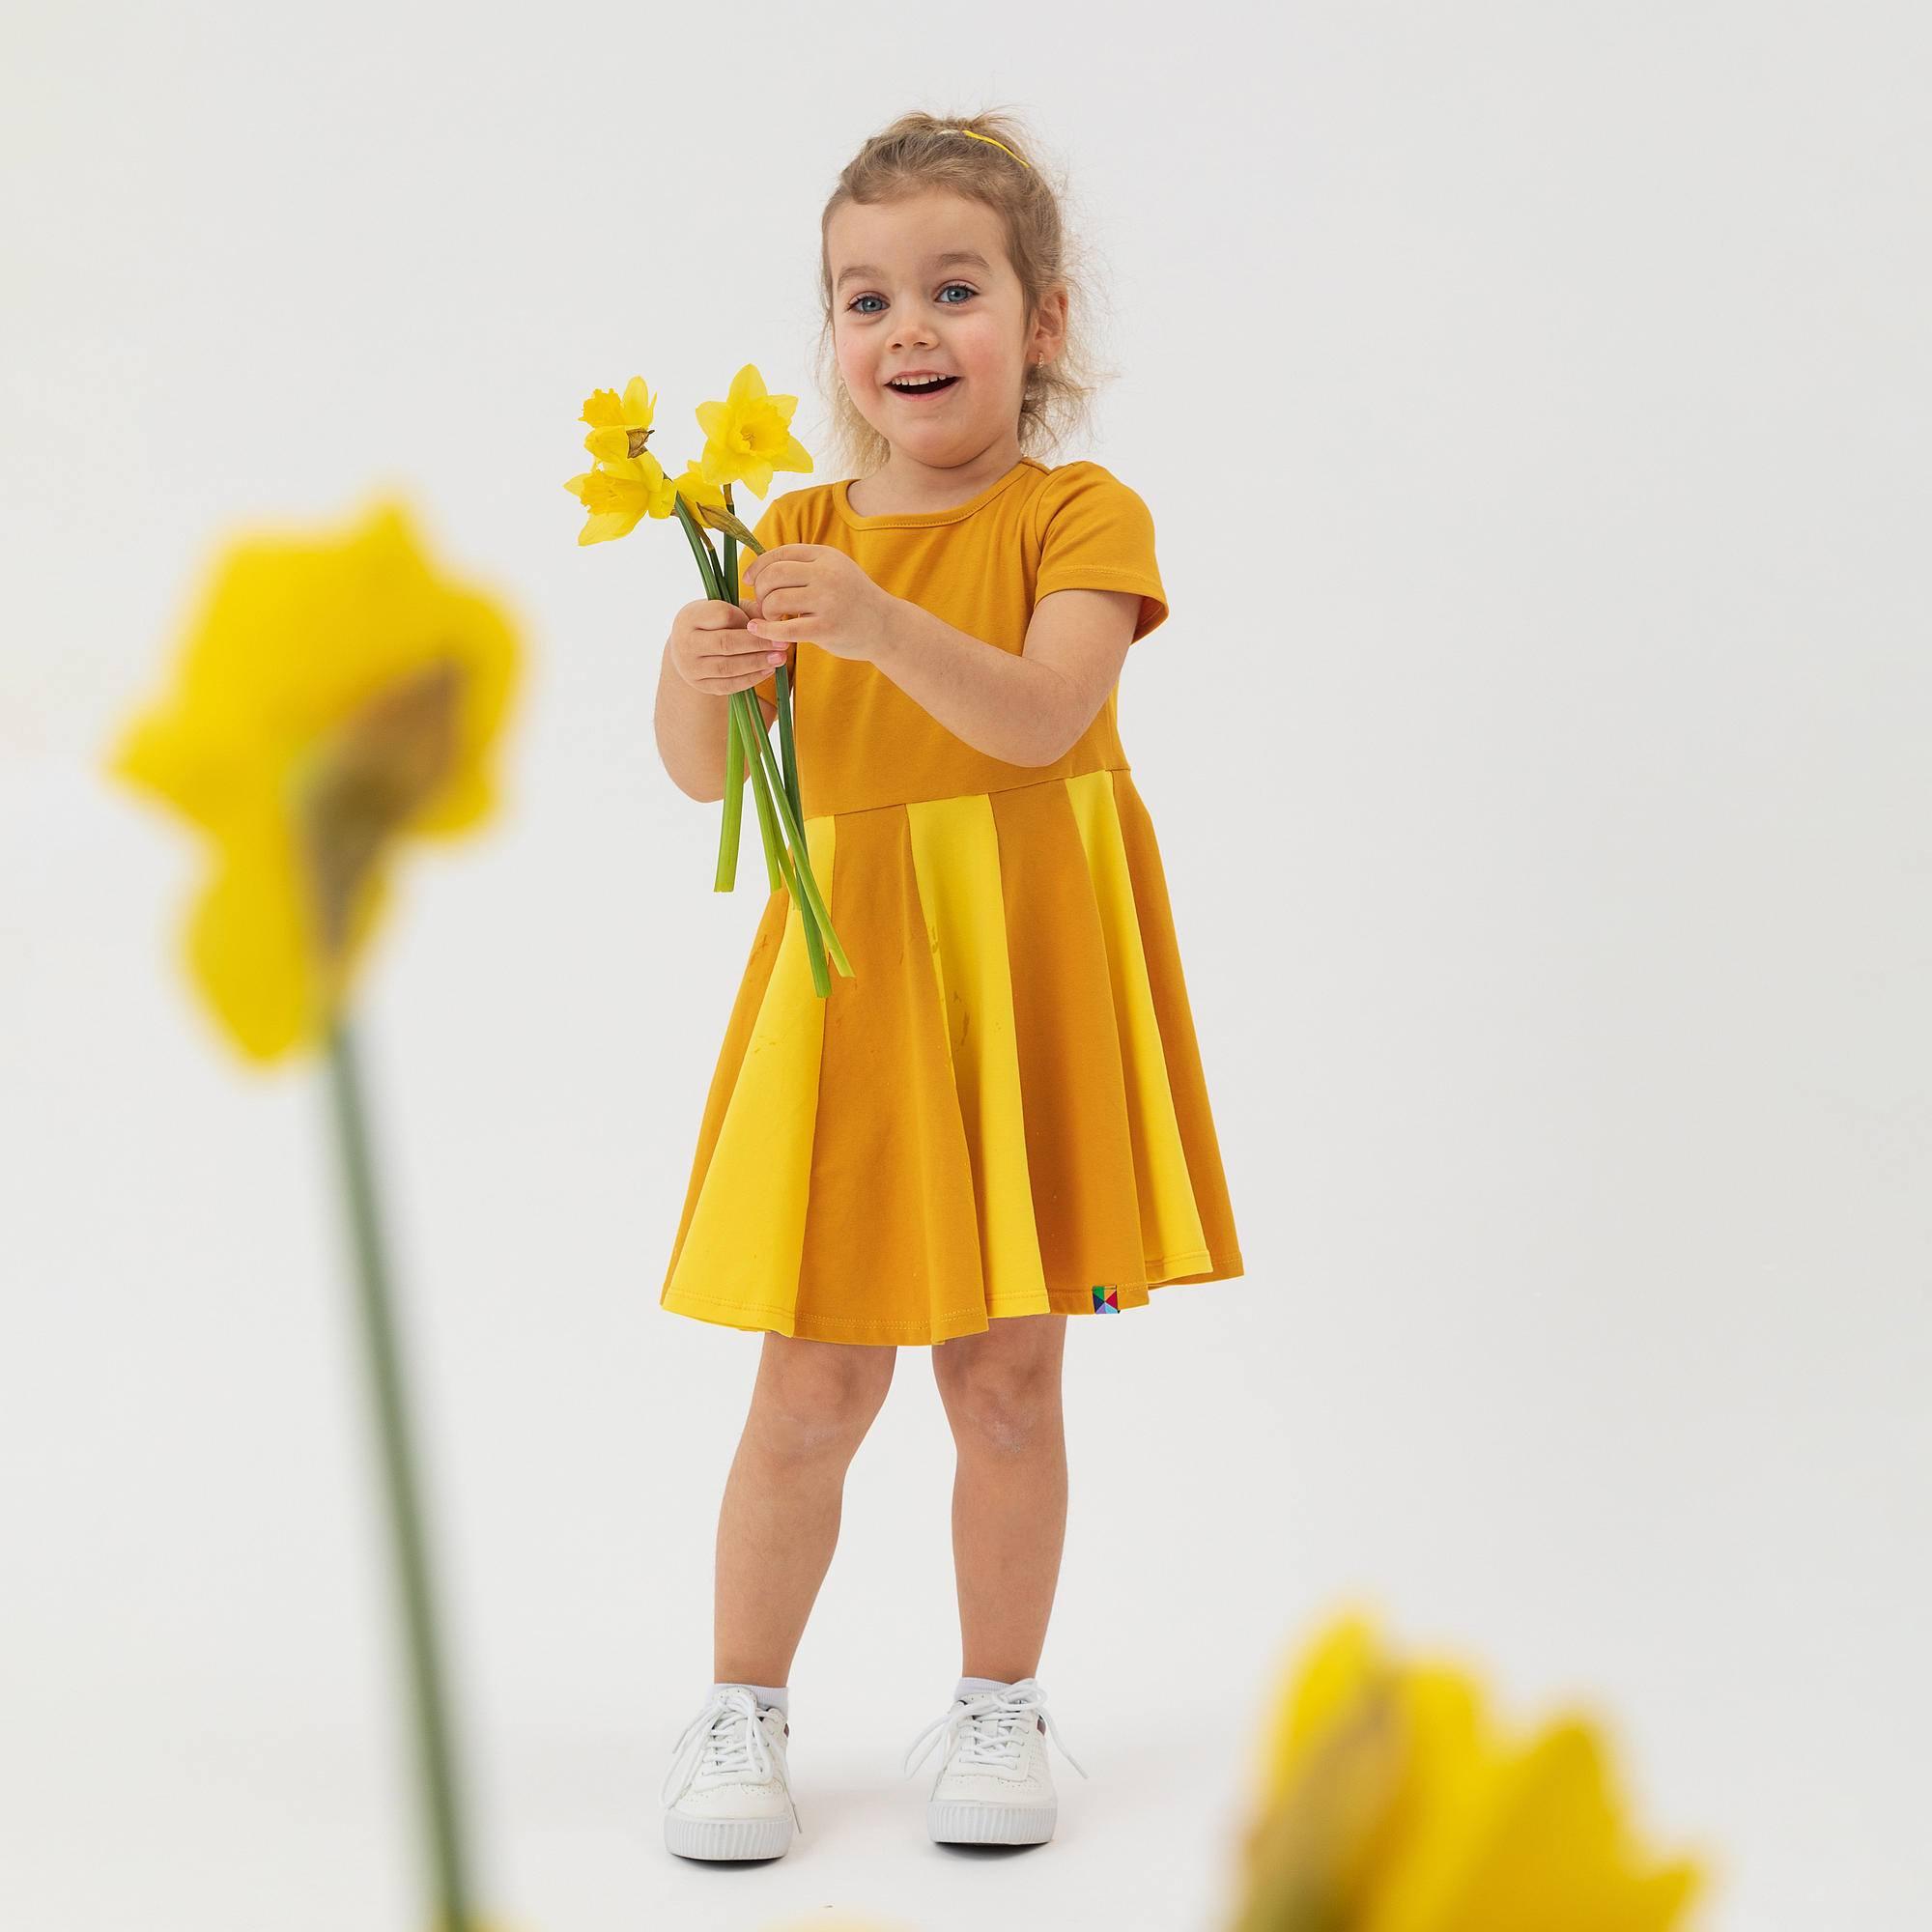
x=726 y=1736
x=991 y=1727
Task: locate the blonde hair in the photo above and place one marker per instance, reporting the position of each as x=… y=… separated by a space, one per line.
x=999 y=168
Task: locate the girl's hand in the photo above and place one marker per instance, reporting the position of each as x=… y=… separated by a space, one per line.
x=709 y=648
x=816 y=593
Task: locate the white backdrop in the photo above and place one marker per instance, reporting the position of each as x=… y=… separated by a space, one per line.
x=1531 y=402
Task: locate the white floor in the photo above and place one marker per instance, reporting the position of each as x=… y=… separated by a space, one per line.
x=219 y=1828
x=196 y=1673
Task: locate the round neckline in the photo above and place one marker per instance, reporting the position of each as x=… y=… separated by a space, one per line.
x=917 y=519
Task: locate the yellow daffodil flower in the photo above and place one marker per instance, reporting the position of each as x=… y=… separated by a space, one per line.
x=620 y=426
x=705 y=497
x=747 y=436
x=334 y=694
x=618 y=495
x=1392 y=1803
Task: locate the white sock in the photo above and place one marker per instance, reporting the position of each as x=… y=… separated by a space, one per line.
x=969 y=1685
x=765 y=1693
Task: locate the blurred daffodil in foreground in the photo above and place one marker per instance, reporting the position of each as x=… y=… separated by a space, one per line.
x=747 y=439
x=335 y=696
x=1392 y=1802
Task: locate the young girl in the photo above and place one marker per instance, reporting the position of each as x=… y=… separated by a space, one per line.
x=1000 y=1120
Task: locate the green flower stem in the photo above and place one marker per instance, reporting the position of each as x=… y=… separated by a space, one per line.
x=751 y=733
x=726 y=878
x=793 y=876
x=750 y=725
x=787 y=750
x=781 y=677
x=734 y=760
x=814 y=942
x=760 y=748
x=774 y=791
x=746 y=705
x=434 y=1751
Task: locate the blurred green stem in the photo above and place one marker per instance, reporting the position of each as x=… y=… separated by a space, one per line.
x=437 y=1760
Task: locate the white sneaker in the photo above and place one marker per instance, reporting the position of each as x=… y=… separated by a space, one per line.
x=729 y=1793
x=993 y=1787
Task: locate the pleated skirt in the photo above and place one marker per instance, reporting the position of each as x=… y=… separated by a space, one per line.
x=1002 y=1113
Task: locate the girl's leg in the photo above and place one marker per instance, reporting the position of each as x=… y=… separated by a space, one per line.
x=811 y=1407
x=1002 y=1396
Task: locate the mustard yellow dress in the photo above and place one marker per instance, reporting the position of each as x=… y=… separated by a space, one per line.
x=1003 y=1112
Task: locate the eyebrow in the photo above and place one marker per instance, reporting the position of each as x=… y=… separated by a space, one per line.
x=950 y=256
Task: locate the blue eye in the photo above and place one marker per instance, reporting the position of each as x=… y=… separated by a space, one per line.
x=857 y=299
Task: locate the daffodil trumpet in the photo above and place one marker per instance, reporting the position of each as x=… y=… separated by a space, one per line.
x=747 y=437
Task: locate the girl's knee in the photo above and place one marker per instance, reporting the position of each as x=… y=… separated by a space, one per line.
x=820 y=1394
x=1005 y=1398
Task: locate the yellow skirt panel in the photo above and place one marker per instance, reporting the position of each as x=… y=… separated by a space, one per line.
x=1002 y=1113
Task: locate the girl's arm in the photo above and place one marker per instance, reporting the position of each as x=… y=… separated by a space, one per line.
x=1025 y=709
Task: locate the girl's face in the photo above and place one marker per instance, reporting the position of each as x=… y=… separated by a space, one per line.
x=924 y=284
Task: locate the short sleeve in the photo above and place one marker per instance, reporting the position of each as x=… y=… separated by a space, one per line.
x=769 y=532
x=1097 y=534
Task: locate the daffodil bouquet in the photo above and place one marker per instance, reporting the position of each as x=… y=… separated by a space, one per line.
x=746 y=437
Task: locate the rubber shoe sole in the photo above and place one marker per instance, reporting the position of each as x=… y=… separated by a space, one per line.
x=727 y=1838
x=963 y=1822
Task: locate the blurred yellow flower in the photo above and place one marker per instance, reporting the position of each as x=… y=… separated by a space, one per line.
x=1392 y=1803
x=333 y=694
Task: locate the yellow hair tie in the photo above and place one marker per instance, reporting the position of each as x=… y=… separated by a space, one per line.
x=1001 y=145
